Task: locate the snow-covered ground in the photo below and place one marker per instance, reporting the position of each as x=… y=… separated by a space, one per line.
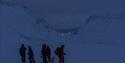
x=99 y=39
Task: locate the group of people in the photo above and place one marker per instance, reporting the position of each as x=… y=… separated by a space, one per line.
x=45 y=54
x=22 y=52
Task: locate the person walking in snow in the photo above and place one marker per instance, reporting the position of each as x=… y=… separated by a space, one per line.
x=31 y=55
x=48 y=54
x=22 y=52
x=60 y=53
x=43 y=53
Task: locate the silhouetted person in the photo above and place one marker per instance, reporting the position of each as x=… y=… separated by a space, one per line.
x=48 y=54
x=31 y=55
x=22 y=52
x=57 y=51
x=43 y=53
x=60 y=53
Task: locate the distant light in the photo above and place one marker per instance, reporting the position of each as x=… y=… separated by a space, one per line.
x=62 y=34
x=66 y=34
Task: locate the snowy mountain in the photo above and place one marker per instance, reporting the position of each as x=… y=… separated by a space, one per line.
x=88 y=38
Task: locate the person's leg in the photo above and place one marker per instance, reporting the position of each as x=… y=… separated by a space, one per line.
x=23 y=58
x=30 y=60
x=33 y=59
x=48 y=58
x=60 y=60
x=44 y=59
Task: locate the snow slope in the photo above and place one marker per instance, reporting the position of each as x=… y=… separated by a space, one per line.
x=99 y=40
